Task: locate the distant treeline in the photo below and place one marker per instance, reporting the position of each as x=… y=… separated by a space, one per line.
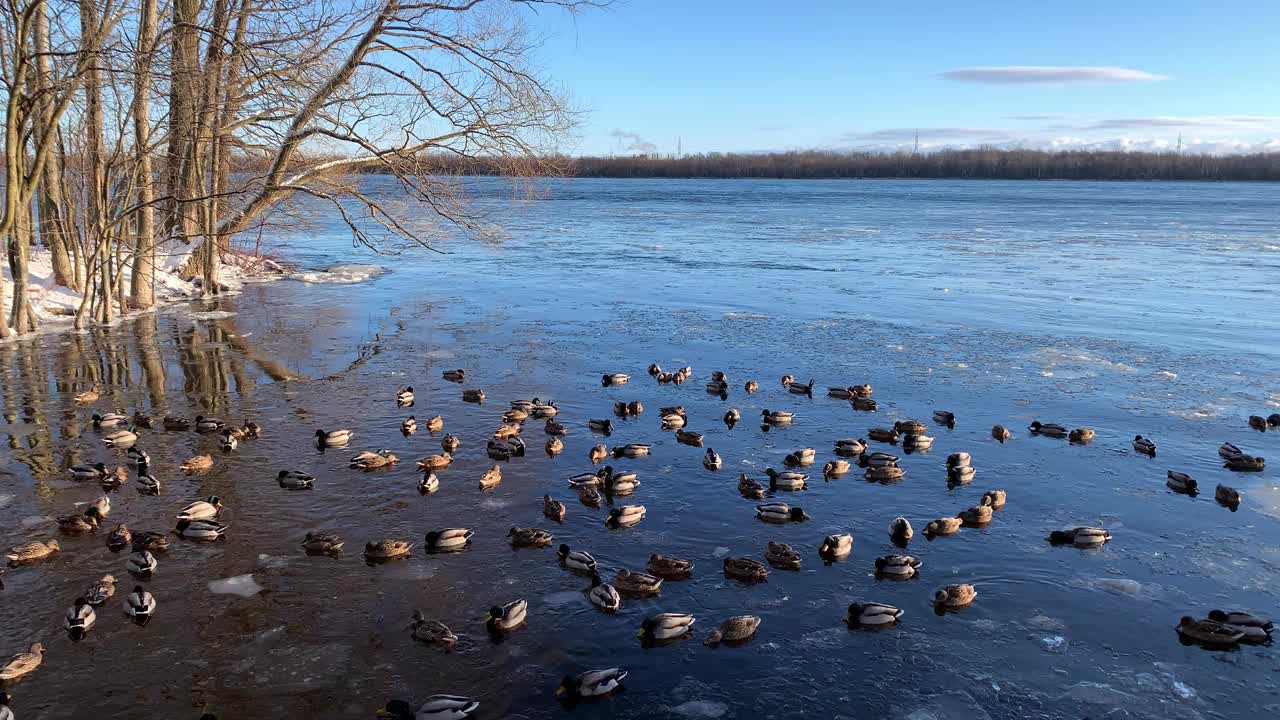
x=982 y=163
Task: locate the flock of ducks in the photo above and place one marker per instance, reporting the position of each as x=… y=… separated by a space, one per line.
x=199 y=520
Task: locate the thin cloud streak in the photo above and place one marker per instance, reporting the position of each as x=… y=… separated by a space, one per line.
x=1048 y=75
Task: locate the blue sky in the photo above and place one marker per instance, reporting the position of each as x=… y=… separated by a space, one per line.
x=752 y=75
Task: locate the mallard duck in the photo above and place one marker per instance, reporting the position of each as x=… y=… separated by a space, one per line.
x=138 y=456
x=208 y=424
x=506 y=617
x=719 y=376
x=862 y=391
x=432 y=632
x=473 y=396
x=141 y=562
x=750 y=489
x=404 y=398
x=150 y=541
x=751 y=386
x=435 y=424
x=636 y=583
x=711 y=460
x=334 y=438
x=865 y=404
x=718 y=388
x=1084 y=537
x=589 y=479
x=738 y=628
x=884 y=435
x=871 y=614
x=604 y=426
x=625 y=516
x=598 y=453
x=553 y=509
x=554 y=428
x=97 y=471
x=1081 y=436
x=976 y=515
x=955 y=596
x=796 y=388
x=803 y=456
x=499 y=450
x=835 y=547
x=1227 y=451
x=1144 y=445
x=102 y=505
x=197 y=465
x=780 y=513
x=491 y=478
x=910 y=427
x=22 y=663
x=88 y=396
x=885 y=473
x=1227 y=495
x=635 y=407
x=777 y=417
x=120 y=438
x=614 y=379
x=665 y=626
x=450 y=443
x=554 y=446
x=994 y=499
x=1257 y=422
x=961 y=475
x=622 y=482
x=835 y=469
x=689 y=437
x=515 y=416
x=915 y=442
x=206 y=509
x=782 y=555
x=79 y=524
x=507 y=430
x=295 y=480
x=620 y=408
x=322 y=543
x=959 y=459
x=207 y=530
x=666 y=566
x=877 y=459
x=786 y=480
x=176 y=423
x=632 y=450
x=1241 y=619
x=603 y=595
x=100 y=591
x=842 y=393
x=435 y=462
x=655 y=369
x=1181 y=482
x=745 y=569
x=448 y=539
x=140 y=604
x=109 y=419
x=673 y=421
x=897 y=567
x=943 y=526
x=1208 y=632
x=944 y=417
x=850 y=447
x=787 y=380
x=900 y=530
x=1252 y=633
x=429 y=483
x=141 y=419
x=579 y=560
x=593 y=683
x=457 y=376
x=1048 y=429
x=147 y=483
x=1247 y=463
x=79 y=618
x=529 y=537
x=119 y=538
x=387 y=549
x=443 y=707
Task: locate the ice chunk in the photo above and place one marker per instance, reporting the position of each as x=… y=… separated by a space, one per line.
x=242 y=585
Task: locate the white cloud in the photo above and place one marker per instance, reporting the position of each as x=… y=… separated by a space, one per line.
x=1040 y=74
x=632 y=142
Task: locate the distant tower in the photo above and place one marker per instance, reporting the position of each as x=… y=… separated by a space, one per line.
x=916 y=150
x=1179 y=143
x=679 y=147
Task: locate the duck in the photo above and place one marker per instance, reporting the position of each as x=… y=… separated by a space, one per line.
x=1181 y=482
x=590 y=479
x=623 y=482
x=141 y=562
x=435 y=462
x=120 y=438
x=102 y=504
x=635 y=407
x=614 y=379
x=79 y=618
x=1227 y=495
x=865 y=404
x=404 y=398
x=593 y=683
x=834 y=547
x=976 y=515
x=636 y=583
x=553 y=509
x=554 y=446
x=1227 y=451
x=228 y=442
x=750 y=489
x=945 y=417
x=955 y=596
x=994 y=499
x=448 y=539
x=499 y=450
x=604 y=426
x=961 y=475
x=884 y=435
x=910 y=427
x=554 y=428
x=431 y=632
x=207 y=530
x=885 y=473
x=387 y=549
x=959 y=459
x=631 y=450
x=176 y=423
x=841 y=393
x=603 y=595
x=786 y=480
x=507 y=430
x=79 y=524
x=1048 y=429
x=835 y=469
x=745 y=569
x=1000 y=433
x=877 y=459
x=515 y=416
x=777 y=417
x=871 y=614
x=688 y=437
x=110 y=419
x=22 y=663
x=732 y=417
x=100 y=591
x=655 y=369
x=803 y=456
x=711 y=460
x=620 y=408
x=491 y=478
x=719 y=376
x=1083 y=537
x=1241 y=619
x=900 y=530
x=450 y=443
x=97 y=471
x=544 y=410
x=295 y=480
x=665 y=626
x=504 y=618
x=435 y=424
x=141 y=419
x=207 y=424
x=850 y=447
x=751 y=387
x=529 y=537
x=916 y=442
x=1247 y=463
x=897 y=567
x=796 y=388
x=782 y=555
x=1144 y=445
x=667 y=566
x=441 y=707
x=1208 y=632
x=1081 y=436
x=322 y=543
x=717 y=387
x=206 y=509
x=88 y=396
x=738 y=628
x=119 y=538
x=1273 y=420
x=334 y=438
x=673 y=421
x=457 y=376
x=147 y=483
x=149 y=540
x=1257 y=422
x=138 y=456
x=625 y=516
x=779 y=512
x=579 y=560
x=943 y=526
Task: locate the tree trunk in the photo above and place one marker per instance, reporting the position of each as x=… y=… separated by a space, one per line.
x=95 y=205
x=184 y=93
x=53 y=221
x=144 y=257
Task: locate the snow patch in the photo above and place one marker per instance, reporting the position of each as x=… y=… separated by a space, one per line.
x=339 y=274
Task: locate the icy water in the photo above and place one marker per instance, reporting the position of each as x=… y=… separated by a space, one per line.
x=1128 y=308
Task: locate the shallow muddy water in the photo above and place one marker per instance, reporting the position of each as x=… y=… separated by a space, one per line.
x=1128 y=308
